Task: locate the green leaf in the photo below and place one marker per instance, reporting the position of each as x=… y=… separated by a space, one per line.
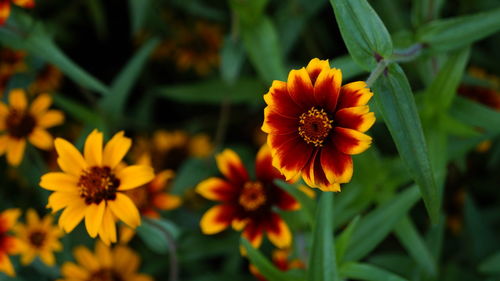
x=344 y=239
x=138 y=12
x=375 y=226
x=245 y=90
x=249 y=11
x=308 y=205
x=114 y=103
x=265 y=267
x=424 y=11
x=232 y=58
x=481 y=237
x=439 y=95
x=457 y=128
x=350 y=69
x=491 y=265
x=484 y=117
x=447 y=34
x=361 y=271
x=38 y=43
x=157 y=234
x=363 y=32
x=262 y=45
x=78 y=111
x=322 y=264
x=395 y=100
x=408 y=235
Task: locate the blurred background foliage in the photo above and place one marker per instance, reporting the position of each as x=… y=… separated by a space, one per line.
x=201 y=67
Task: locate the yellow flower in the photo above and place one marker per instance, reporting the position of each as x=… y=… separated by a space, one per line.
x=91 y=186
x=22 y=123
x=9 y=245
x=106 y=264
x=40 y=238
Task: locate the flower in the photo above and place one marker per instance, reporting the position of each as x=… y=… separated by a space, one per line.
x=314 y=125
x=21 y=123
x=92 y=186
x=48 y=79
x=247 y=204
x=5 y=8
x=153 y=196
x=105 y=264
x=9 y=245
x=280 y=259
x=40 y=238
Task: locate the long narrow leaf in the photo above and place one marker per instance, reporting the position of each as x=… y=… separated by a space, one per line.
x=361 y=271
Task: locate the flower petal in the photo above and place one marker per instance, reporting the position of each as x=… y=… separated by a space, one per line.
x=50 y=118
x=230 y=165
x=253 y=233
x=4 y=15
x=300 y=88
x=264 y=169
x=41 y=138
x=3 y=143
x=134 y=176
x=357 y=118
x=216 y=219
x=93 y=217
x=337 y=166
x=354 y=94
x=277 y=124
x=24 y=3
x=327 y=89
x=115 y=149
x=313 y=173
x=5 y=264
x=57 y=181
x=350 y=141
x=73 y=272
x=285 y=201
x=124 y=209
x=284 y=149
x=278 y=232
x=40 y=104
x=107 y=231
x=72 y=215
x=217 y=189
x=280 y=101
x=103 y=255
x=86 y=259
x=165 y=201
x=92 y=151
x=8 y=219
x=63 y=199
x=15 y=151
x=17 y=99
x=70 y=160
x=315 y=67
x=32 y=217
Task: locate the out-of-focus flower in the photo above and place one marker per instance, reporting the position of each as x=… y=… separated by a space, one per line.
x=40 y=238
x=9 y=245
x=247 y=204
x=488 y=96
x=22 y=123
x=48 y=79
x=105 y=264
x=281 y=260
x=92 y=186
x=314 y=125
x=12 y=61
x=5 y=8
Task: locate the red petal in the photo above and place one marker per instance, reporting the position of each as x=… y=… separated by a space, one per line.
x=350 y=141
x=354 y=94
x=277 y=124
x=327 y=89
x=279 y=100
x=300 y=88
x=264 y=168
x=337 y=166
x=313 y=173
x=278 y=232
x=315 y=67
x=217 y=189
x=253 y=233
x=4 y=11
x=290 y=153
x=357 y=118
x=285 y=201
x=217 y=219
x=230 y=165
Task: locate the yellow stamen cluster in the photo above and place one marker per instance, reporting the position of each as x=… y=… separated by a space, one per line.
x=314 y=126
x=252 y=196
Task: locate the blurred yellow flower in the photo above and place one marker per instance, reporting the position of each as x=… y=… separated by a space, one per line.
x=105 y=264
x=9 y=245
x=22 y=123
x=92 y=186
x=40 y=238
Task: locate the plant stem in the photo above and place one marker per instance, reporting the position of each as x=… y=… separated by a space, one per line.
x=174 y=263
x=379 y=69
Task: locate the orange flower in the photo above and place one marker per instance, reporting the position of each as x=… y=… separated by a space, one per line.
x=247 y=204
x=48 y=79
x=314 y=125
x=281 y=260
x=9 y=245
x=5 y=8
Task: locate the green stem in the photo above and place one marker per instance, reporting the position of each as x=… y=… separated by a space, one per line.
x=379 y=69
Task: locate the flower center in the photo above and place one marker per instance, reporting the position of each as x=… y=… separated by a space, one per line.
x=252 y=196
x=19 y=124
x=106 y=274
x=314 y=126
x=97 y=184
x=37 y=238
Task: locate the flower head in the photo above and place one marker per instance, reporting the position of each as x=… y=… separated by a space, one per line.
x=281 y=259
x=48 y=79
x=247 y=204
x=22 y=123
x=9 y=245
x=92 y=186
x=5 y=8
x=105 y=264
x=314 y=125
x=40 y=238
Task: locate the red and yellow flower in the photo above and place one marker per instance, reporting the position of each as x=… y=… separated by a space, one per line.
x=314 y=125
x=40 y=238
x=92 y=186
x=48 y=79
x=105 y=264
x=22 y=123
x=247 y=204
x=9 y=245
x=280 y=259
x=5 y=8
